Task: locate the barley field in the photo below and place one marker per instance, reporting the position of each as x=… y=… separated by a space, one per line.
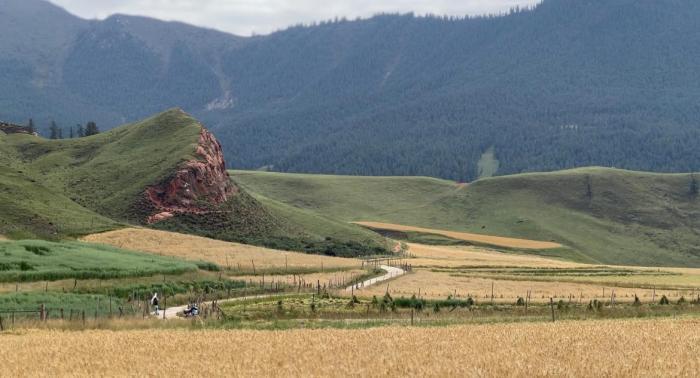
x=477 y=238
x=224 y=254
x=438 y=285
x=428 y=256
x=586 y=348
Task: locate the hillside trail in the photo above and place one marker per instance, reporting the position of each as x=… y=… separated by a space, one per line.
x=391 y=272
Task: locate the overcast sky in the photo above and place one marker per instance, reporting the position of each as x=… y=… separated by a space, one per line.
x=244 y=17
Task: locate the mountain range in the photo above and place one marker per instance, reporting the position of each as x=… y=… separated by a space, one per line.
x=568 y=83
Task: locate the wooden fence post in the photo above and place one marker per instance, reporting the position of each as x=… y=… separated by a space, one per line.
x=551 y=304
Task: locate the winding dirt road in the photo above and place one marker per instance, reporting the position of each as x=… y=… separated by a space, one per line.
x=391 y=272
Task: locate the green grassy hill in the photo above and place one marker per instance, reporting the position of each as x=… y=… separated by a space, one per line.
x=601 y=215
x=54 y=189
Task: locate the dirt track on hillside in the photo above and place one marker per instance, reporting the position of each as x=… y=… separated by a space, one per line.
x=497 y=241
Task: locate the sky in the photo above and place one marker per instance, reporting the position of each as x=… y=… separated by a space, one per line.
x=246 y=17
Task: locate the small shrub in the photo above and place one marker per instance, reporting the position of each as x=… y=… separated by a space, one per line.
x=664 y=301
x=37 y=250
x=637 y=302
x=208 y=266
x=520 y=302
x=681 y=301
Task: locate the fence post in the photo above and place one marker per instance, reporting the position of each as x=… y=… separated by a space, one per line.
x=551 y=304
x=2 y=327
x=42 y=312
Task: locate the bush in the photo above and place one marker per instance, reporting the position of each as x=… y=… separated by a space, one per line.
x=436 y=307
x=637 y=302
x=520 y=302
x=664 y=301
x=208 y=266
x=681 y=301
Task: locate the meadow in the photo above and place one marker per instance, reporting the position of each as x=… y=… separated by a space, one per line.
x=603 y=348
x=600 y=216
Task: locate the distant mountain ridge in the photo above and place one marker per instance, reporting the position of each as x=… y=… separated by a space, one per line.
x=570 y=83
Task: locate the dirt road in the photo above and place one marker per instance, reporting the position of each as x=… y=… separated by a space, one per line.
x=391 y=272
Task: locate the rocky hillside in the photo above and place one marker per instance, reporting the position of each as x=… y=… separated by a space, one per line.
x=166 y=172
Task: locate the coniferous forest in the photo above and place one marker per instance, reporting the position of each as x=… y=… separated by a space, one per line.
x=568 y=83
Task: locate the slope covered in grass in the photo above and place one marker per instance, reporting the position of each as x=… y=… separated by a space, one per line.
x=165 y=164
x=109 y=171
x=600 y=215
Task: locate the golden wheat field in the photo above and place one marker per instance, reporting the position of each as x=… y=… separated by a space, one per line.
x=477 y=238
x=450 y=257
x=439 y=285
x=2 y=237
x=586 y=348
x=225 y=254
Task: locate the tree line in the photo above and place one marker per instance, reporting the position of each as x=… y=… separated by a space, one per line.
x=77 y=131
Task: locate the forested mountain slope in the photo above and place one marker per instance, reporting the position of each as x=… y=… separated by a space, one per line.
x=570 y=83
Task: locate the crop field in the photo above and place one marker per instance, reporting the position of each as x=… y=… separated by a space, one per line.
x=476 y=238
x=439 y=285
x=477 y=272
x=430 y=256
x=231 y=256
x=603 y=348
x=32 y=260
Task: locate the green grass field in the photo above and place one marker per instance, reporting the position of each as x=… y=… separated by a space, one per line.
x=54 y=302
x=602 y=215
x=35 y=260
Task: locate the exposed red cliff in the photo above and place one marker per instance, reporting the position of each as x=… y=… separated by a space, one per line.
x=196 y=186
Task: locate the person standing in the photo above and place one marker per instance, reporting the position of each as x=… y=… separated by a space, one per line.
x=154 y=303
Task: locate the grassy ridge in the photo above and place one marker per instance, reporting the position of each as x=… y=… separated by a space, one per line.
x=34 y=260
x=624 y=218
x=108 y=172
x=52 y=189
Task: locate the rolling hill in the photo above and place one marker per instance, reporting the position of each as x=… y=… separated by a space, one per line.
x=165 y=172
x=600 y=215
x=567 y=84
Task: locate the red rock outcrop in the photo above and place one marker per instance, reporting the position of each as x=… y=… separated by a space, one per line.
x=196 y=187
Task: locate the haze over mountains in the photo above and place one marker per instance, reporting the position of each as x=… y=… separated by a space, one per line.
x=570 y=83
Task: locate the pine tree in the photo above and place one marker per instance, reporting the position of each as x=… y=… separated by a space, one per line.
x=54 y=130
x=80 y=131
x=693 y=185
x=71 y=132
x=91 y=129
x=60 y=133
x=30 y=126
